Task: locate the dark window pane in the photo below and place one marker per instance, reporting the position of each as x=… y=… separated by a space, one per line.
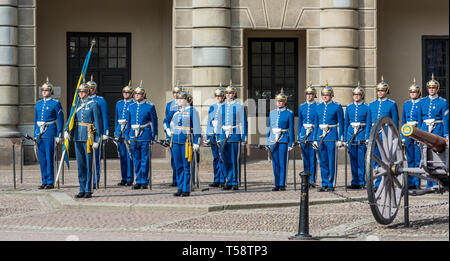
x=290 y=85
x=74 y=63
x=256 y=59
x=112 y=63
x=103 y=63
x=103 y=42
x=256 y=47
x=266 y=71
x=84 y=41
x=279 y=47
x=112 y=52
x=289 y=47
x=256 y=83
x=266 y=47
x=122 y=52
x=279 y=59
x=279 y=81
x=290 y=71
x=103 y=52
x=112 y=41
x=266 y=84
x=84 y=52
x=266 y=59
x=256 y=71
x=279 y=71
x=122 y=63
x=122 y=42
x=289 y=59
x=93 y=63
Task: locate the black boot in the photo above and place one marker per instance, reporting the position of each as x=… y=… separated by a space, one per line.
x=276 y=189
x=178 y=193
x=137 y=186
x=185 y=194
x=282 y=188
x=214 y=185
x=226 y=187
x=42 y=186
x=122 y=183
x=143 y=186
x=88 y=195
x=49 y=186
x=80 y=195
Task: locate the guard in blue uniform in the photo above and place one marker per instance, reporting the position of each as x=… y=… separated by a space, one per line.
x=280 y=138
x=48 y=126
x=382 y=107
x=212 y=137
x=120 y=133
x=104 y=113
x=186 y=138
x=330 y=129
x=356 y=117
x=411 y=115
x=172 y=107
x=86 y=138
x=232 y=132
x=434 y=114
x=143 y=131
x=306 y=132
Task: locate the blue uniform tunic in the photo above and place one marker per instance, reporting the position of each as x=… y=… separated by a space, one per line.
x=411 y=115
x=307 y=120
x=383 y=107
x=48 y=112
x=185 y=124
x=356 y=118
x=329 y=114
x=434 y=108
x=280 y=136
x=211 y=135
x=126 y=164
x=232 y=131
x=104 y=115
x=87 y=116
x=171 y=107
x=143 y=129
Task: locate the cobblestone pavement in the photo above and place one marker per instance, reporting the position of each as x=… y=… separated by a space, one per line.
x=119 y=213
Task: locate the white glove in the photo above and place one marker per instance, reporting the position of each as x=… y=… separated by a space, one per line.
x=195 y=147
x=290 y=148
x=105 y=137
x=58 y=140
x=340 y=144
x=95 y=145
x=207 y=142
x=169 y=132
x=66 y=135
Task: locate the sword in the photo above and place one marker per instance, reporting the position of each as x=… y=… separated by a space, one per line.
x=28 y=137
x=150 y=167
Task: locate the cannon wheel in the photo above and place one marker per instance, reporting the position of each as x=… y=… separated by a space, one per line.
x=385 y=198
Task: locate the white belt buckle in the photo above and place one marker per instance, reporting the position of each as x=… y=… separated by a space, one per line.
x=323 y=126
x=429 y=121
x=41 y=124
x=135 y=127
x=122 y=122
x=413 y=123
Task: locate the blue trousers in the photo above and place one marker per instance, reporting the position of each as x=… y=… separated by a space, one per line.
x=141 y=158
x=309 y=161
x=46 y=154
x=174 y=167
x=357 y=155
x=126 y=164
x=327 y=159
x=230 y=156
x=219 y=176
x=280 y=163
x=183 y=167
x=413 y=158
x=84 y=162
x=97 y=164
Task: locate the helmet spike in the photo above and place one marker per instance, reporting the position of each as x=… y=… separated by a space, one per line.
x=47 y=80
x=92 y=77
x=382 y=78
x=129 y=84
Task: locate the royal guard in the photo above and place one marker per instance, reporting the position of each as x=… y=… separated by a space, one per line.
x=172 y=107
x=121 y=132
x=329 y=136
x=212 y=136
x=280 y=139
x=382 y=107
x=142 y=122
x=48 y=126
x=185 y=141
x=104 y=114
x=86 y=137
x=434 y=114
x=356 y=117
x=306 y=132
x=411 y=115
x=232 y=132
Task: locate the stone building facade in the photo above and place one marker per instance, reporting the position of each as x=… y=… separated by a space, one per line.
x=202 y=43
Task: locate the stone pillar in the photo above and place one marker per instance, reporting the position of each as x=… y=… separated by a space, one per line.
x=339 y=42
x=9 y=75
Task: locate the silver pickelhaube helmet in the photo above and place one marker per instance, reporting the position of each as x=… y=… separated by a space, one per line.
x=383 y=86
x=91 y=83
x=281 y=96
x=231 y=89
x=83 y=87
x=47 y=86
x=433 y=83
x=141 y=90
x=178 y=88
x=327 y=90
x=311 y=90
x=359 y=91
x=415 y=88
x=220 y=92
x=182 y=95
x=128 y=88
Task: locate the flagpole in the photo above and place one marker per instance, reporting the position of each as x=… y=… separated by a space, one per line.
x=71 y=118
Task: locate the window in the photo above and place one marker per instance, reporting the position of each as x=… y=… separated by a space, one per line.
x=435 y=60
x=273 y=65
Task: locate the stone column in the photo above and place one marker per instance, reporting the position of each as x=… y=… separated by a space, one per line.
x=9 y=75
x=339 y=42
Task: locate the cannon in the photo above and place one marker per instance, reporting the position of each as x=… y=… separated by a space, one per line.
x=386 y=175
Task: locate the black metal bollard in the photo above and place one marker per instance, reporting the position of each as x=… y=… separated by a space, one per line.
x=303 y=226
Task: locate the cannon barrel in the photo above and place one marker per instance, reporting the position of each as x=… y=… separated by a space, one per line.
x=433 y=141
